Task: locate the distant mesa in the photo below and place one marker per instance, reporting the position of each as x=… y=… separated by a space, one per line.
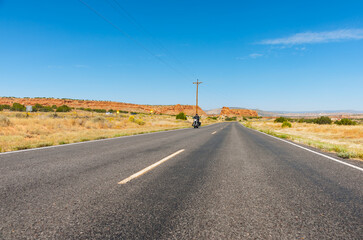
x=226 y=111
x=75 y=103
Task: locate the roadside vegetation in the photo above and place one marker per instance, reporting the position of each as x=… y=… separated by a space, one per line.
x=343 y=137
x=22 y=130
x=181 y=116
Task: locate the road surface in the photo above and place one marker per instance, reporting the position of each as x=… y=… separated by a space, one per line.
x=222 y=181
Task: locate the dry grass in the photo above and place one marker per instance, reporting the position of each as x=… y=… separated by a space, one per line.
x=19 y=131
x=347 y=141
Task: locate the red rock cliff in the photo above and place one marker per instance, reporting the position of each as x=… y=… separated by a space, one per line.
x=172 y=109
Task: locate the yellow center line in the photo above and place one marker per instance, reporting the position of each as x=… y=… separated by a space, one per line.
x=145 y=170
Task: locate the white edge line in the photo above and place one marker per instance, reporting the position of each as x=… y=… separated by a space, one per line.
x=214 y=132
x=145 y=170
x=97 y=140
x=320 y=154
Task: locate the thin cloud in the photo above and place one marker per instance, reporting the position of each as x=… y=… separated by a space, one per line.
x=252 y=55
x=255 y=55
x=317 y=37
x=81 y=66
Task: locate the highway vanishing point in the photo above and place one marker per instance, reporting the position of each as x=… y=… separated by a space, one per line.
x=222 y=181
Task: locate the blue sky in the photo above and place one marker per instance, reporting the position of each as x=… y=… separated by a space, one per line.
x=271 y=55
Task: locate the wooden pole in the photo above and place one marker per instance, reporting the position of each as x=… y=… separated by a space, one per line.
x=196 y=104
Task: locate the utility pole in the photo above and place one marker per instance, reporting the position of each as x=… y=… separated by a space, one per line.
x=196 y=105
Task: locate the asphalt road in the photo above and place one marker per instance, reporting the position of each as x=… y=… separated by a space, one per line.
x=230 y=182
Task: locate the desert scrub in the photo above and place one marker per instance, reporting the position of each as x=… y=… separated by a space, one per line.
x=21 y=115
x=4 y=121
x=281 y=120
x=99 y=119
x=5 y=106
x=213 y=118
x=230 y=119
x=44 y=145
x=140 y=122
x=181 y=116
x=132 y=119
x=40 y=108
x=345 y=141
x=286 y=124
x=18 y=107
x=347 y=155
x=63 y=108
x=345 y=121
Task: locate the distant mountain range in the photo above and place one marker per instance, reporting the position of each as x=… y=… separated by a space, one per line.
x=307 y=113
x=292 y=113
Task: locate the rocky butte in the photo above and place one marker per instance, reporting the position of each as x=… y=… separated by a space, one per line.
x=226 y=111
x=163 y=109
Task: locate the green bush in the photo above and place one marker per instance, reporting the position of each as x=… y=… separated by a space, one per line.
x=99 y=110
x=231 y=119
x=245 y=119
x=181 y=116
x=286 y=124
x=281 y=120
x=213 y=118
x=54 y=106
x=63 y=108
x=41 y=108
x=345 y=121
x=2 y=107
x=18 y=107
x=323 y=120
x=320 y=120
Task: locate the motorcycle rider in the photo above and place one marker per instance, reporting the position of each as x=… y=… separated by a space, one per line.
x=197 y=118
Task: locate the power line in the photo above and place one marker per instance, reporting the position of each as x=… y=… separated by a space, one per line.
x=145 y=31
x=130 y=37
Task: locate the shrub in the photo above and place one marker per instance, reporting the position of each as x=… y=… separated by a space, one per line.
x=63 y=108
x=231 y=118
x=140 y=121
x=281 y=120
x=323 y=120
x=213 y=118
x=320 y=120
x=99 y=119
x=18 y=107
x=2 y=107
x=346 y=121
x=54 y=106
x=40 y=108
x=286 y=124
x=21 y=115
x=4 y=121
x=245 y=119
x=131 y=118
x=181 y=116
x=99 y=110
x=345 y=154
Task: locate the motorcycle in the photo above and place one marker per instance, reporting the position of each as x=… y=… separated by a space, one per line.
x=196 y=124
